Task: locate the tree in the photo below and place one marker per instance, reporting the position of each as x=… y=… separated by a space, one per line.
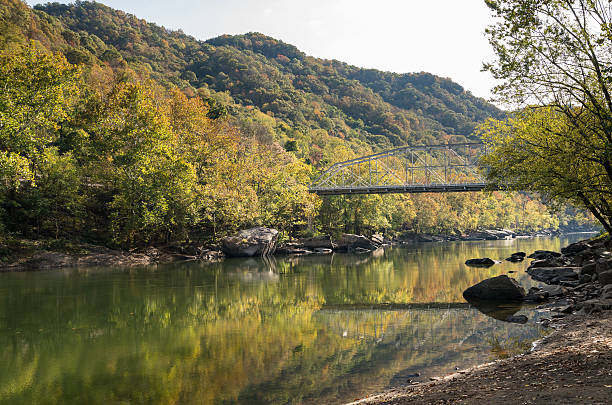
x=39 y=90
x=153 y=186
x=555 y=62
x=537 y=150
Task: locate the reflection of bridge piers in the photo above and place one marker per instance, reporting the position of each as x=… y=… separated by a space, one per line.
x=409 y=169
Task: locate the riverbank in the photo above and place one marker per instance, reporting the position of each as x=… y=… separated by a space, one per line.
x=32 y=255
x=29 y=255
x=573 y=365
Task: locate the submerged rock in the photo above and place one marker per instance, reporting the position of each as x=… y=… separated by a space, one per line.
x=515 y=258
x=484 y=262
x=517 y=319
x=500 y=288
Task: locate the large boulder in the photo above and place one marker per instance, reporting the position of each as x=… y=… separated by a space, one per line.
x=257 y=241
x=553 y=275
x=349 y=243
x=576 y=247
x=317 y=242
x=500 y=288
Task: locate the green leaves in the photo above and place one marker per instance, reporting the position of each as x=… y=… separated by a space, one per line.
x=38 y=90
x=540 y=150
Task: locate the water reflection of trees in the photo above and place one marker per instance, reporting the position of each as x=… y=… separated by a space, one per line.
x=249 y=331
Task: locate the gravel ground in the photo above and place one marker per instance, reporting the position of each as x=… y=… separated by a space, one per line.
x=573 y=365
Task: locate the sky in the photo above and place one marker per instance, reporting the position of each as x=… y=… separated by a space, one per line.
x=443 y=37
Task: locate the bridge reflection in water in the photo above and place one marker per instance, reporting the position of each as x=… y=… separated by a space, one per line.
x=409 y=169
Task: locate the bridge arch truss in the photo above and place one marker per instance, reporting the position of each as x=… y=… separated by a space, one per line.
x=408 y=169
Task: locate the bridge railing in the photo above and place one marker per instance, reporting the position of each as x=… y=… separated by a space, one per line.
x=409 y=169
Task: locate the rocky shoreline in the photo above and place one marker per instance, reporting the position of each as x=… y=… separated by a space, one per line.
x=258 y=241
x=573 y=365
x=35 y=257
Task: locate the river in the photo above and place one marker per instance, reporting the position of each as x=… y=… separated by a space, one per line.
x=284 y=330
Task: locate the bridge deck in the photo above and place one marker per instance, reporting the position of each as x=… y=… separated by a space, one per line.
x=432 y=188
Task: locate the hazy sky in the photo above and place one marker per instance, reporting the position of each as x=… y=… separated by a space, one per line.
x=443 y=37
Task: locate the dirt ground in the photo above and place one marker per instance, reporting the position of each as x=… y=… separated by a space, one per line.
x=573 y=365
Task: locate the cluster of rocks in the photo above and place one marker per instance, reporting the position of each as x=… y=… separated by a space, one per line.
x=486 y=234
x=262 y=241
x=578 y=279
x=488 y=262
x=325 y=244
x=258 y=241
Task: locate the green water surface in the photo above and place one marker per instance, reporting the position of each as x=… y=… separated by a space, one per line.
x=286 y=330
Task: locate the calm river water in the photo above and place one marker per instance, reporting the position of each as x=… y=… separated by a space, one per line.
x=316 y=329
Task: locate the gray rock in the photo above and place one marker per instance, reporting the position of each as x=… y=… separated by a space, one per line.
x=289 y=248
x=585 y=278
x=576 y=247
x=588 y=268
x=323 y=241
x=543 y=254
x=555 y=290
x=515 y=259
x=323 y=251
x=548 y=274
x=566 y=283
x=484 y=262
x=605 y=278
x=567 y=309
x=500 y=288
x=349 y=243
x=257 y=241
x=536 y=297
x=548 y=262
x=377 y=239
x=602 y=265
x=595 y=305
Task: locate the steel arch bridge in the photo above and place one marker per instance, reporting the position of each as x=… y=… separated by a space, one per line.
x=409 y=169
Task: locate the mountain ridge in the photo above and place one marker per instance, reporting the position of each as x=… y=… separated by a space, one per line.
x=383 y=109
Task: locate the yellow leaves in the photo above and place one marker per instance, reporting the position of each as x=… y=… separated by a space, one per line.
x=38 y=89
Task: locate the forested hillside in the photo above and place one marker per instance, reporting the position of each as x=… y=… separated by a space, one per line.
x=121 y=131
x=383 y=108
